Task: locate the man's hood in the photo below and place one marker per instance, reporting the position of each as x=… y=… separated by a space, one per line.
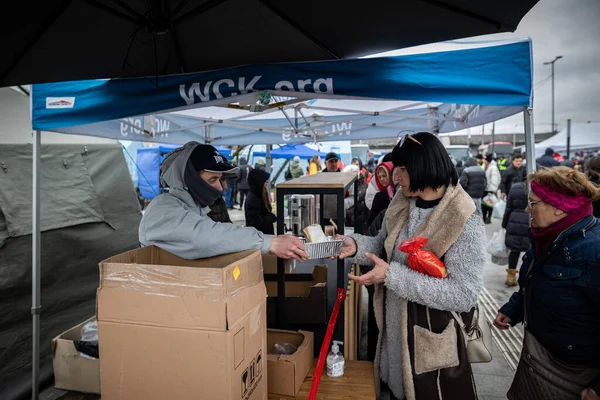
x=173 y=166
x=471 y=162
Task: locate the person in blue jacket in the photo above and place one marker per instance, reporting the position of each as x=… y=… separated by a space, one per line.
x=559 y=289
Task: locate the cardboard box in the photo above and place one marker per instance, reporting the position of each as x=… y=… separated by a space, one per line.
x=287 y=372
x=72 y=369
x=305 y=298
x=182 y=329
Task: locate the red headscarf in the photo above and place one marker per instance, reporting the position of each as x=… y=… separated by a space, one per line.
x=387 y=165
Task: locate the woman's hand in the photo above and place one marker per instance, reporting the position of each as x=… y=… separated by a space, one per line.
x=376 y=275
x=502 y=321
x=589 y=394
x=349 y=247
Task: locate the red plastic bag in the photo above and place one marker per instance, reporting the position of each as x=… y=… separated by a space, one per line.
x=423 y=261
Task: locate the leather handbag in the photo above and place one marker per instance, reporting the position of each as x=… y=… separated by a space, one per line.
x=478 y=338
x=540 y=376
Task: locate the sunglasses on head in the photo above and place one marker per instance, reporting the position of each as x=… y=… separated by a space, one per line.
x=405 y=137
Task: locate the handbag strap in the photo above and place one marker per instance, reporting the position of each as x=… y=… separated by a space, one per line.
x=460 y=321
x=462 y=325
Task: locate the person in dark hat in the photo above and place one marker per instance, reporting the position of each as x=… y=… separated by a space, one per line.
x=479 y=158
x=178 y=221
x=548 y=160
x=332 y=162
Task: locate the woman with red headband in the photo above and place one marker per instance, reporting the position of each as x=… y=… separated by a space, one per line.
x=559 y=296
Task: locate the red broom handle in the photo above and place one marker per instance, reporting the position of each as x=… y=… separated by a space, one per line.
x=341 y=296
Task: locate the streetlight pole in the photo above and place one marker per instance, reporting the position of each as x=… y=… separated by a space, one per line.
x=552 y=64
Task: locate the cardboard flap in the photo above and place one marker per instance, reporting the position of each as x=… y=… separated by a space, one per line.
x=150 y=286
x=153 y=270
x=72 y=370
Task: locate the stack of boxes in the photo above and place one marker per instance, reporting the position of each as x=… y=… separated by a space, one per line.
x=184 y=329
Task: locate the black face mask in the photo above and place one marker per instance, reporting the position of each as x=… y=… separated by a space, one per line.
x=201 y=191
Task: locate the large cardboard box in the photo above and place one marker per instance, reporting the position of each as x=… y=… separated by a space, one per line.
x=171 y=328
x=72 y=369
x=287 y=372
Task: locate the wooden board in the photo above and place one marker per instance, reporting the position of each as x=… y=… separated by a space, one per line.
x=346 y=346
x=322 y=180
x=359 y=305
x=358 y=383
x=352 y=321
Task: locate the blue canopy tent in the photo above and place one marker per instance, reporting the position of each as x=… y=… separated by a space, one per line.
x=290 y=151
x=440 y=92
x=275 y=103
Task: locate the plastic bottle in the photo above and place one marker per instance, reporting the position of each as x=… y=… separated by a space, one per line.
x=335 y=361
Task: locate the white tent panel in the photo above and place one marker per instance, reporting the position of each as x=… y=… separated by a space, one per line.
x=584 y=136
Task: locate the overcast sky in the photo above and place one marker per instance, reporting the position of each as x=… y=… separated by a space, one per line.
x=570 y=28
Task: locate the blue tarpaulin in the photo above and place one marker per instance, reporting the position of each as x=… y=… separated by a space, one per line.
x=290 y=151
x=148 y=166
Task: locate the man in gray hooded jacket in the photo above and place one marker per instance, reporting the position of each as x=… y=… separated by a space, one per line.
x=177 y=221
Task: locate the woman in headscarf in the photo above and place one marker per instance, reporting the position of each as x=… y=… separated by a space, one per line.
x=386 y=193
x=372 y=189
x=258 y=204
x=421 y=349
x=559 y=296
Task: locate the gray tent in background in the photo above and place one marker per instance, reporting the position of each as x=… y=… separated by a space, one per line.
x=89 y=212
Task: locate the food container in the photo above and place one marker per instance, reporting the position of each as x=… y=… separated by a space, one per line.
x=331 y=248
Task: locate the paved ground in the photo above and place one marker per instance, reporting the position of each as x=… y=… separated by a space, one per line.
x=493 y=380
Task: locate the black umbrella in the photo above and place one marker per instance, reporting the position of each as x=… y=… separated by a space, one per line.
x=85 y=39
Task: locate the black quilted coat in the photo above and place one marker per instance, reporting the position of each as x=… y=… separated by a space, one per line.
x=516 y=220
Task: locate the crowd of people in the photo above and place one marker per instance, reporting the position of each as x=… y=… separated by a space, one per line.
x=418 y=322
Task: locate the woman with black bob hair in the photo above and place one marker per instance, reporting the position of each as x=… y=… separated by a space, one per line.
x=421 y=351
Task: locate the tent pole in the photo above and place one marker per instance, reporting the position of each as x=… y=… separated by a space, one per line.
x=35 y=265
x=568 y=138
x=529 y=139
x=269 y=166
x=269 y=160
